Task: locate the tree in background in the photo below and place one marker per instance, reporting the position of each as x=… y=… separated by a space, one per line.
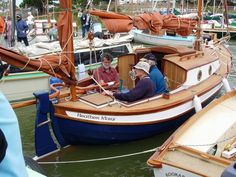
x=41 y=5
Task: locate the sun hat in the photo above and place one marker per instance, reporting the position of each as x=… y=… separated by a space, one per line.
x=143 y=66
x=150 y=56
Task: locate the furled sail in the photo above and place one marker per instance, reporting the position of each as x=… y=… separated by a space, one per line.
x=55 y=65
x=153 y=21
x=2 y=25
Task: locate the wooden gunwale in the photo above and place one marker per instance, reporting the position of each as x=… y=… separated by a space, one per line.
x=158 y=162
x=163 y=104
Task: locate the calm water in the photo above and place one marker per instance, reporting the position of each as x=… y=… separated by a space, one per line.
x=128 y=166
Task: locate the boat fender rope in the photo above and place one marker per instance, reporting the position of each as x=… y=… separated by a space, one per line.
x=100 y=159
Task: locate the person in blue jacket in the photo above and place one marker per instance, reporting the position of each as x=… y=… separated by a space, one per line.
x=21 y=28
x=12 y=163
x=145 y=88
x=155 y=74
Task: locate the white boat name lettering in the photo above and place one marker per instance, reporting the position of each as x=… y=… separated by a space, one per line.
x=174 y=174
x=95 y=117
x=88 y=116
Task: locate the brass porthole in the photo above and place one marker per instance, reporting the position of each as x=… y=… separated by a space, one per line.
x=199 y=75
x=210 y=70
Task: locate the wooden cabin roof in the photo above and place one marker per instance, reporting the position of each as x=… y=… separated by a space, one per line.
x=192 y=60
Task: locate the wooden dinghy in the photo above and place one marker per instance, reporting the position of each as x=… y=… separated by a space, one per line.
x=202 y=146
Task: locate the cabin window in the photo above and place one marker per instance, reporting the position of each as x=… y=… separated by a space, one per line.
x=117 y=51
x=84 y=57
x=199 y=75
x=210 y=70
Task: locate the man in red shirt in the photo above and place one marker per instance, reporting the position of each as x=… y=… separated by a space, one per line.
x=106 y=73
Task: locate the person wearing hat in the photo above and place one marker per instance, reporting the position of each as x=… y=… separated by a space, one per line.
x=155 y=74
x=21 y=28
x=145 y=88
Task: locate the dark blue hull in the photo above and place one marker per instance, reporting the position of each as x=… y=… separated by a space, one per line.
x=76 y=132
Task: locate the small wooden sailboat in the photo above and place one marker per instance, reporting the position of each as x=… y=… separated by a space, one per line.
x=80 y=115
x=202 y=146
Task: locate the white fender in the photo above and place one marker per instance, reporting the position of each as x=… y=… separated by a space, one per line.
x=81 y=71
x=197 y=103
x=226 y=85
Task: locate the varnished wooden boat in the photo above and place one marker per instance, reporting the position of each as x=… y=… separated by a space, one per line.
x=202 y=145
x=194 y=77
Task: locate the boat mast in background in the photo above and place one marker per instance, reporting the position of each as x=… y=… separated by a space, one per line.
x=198 y=41
x=225 y=15
x=12 y=4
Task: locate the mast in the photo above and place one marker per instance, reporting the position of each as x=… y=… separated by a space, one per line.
x=65 y=31
x=13 y=21
x=108 y=6
x=225 y=14
x=198 y=41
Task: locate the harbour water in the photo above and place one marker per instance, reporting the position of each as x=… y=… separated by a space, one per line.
x=118 y=160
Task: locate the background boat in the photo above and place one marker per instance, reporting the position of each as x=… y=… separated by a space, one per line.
x=146 y=38
x=204 y=145
x=13 y=85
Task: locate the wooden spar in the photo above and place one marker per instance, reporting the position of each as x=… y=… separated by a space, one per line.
x=23 y=104
x=226 y=15
x=198 y=42
x=71 y=56
x=199 y=9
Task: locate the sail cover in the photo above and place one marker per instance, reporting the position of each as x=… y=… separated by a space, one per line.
x=153 y=21
x=2 y=25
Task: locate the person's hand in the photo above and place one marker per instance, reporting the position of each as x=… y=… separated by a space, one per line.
x=107 y=92
x=101 y=82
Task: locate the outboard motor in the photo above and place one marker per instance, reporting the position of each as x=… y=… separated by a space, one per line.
x=230 y=171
